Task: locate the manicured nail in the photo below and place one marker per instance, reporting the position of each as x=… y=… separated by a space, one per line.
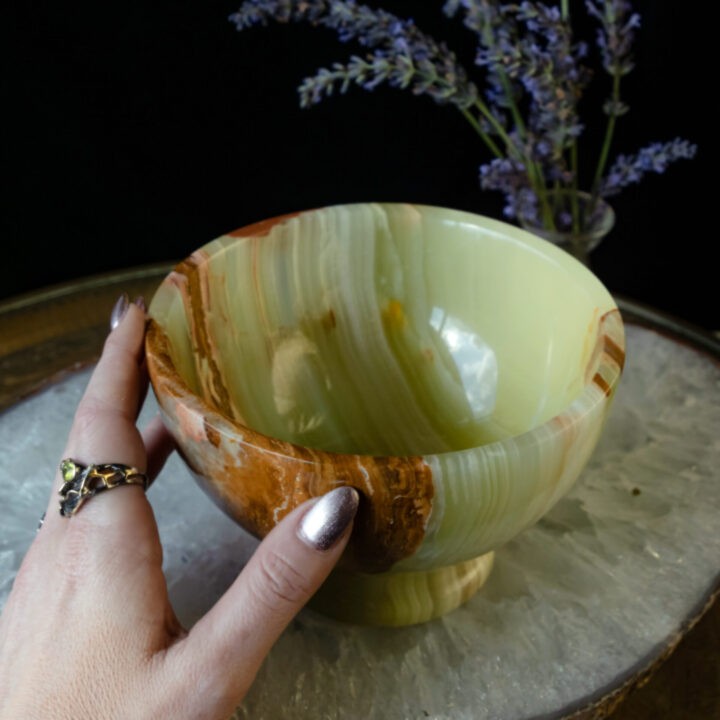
x=327 y=520
x=140 y=302
x=118 y=312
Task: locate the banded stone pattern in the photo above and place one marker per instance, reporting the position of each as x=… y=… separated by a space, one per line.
x=455 y=370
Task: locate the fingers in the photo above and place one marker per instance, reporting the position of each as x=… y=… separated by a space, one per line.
x=105 y=419
x=225 y=649
x=104 y=429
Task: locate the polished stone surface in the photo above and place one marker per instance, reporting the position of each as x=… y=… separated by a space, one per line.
x=455 y=370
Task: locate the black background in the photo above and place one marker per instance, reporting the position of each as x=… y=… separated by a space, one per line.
x=133 y=133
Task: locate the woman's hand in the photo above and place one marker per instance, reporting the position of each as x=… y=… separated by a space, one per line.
x=88 y=631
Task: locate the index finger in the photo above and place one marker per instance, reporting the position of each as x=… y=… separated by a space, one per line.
x=104 y=426
x=103 y=429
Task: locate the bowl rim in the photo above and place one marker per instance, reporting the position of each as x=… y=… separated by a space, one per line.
x=607 y=357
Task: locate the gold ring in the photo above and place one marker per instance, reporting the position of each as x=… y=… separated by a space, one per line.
x=82 y=482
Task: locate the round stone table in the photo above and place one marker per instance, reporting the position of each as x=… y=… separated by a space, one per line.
x=604 y=608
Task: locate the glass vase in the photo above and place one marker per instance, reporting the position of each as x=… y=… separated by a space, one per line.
x=572 y=220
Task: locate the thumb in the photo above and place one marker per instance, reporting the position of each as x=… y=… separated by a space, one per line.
x=227 y=646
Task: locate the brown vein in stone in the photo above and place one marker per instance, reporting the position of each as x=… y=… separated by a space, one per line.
x=258 y=479
x=267 y=478
x=600 y=381
x=262 y=228
x=195 y=273
x=614 y=351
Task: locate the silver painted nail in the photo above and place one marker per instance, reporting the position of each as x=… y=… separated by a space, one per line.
x=119 y=310
x=327 y=520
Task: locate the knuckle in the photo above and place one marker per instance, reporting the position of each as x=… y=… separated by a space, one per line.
x=116 y=344
x=87 y=415
x=280 y=585
x=91 y=412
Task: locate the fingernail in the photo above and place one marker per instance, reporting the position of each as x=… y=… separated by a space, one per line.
x=118 y=312
x=324 y=524
x=140 y=302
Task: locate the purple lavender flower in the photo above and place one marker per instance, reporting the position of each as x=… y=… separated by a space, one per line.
x=403 y=56
x=656 y=157
x=510 y=177
x=497 y=33
x=534 y=73
x=551 y=74
x=615 y=35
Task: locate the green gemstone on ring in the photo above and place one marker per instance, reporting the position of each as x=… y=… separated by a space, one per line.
x=68 y=469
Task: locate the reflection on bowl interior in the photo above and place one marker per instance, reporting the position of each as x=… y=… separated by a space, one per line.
x=384 y=330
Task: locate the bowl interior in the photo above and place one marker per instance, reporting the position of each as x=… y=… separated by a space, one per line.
x=383 y=329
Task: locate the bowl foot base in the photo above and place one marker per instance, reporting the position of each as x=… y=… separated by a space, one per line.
x=400 y=598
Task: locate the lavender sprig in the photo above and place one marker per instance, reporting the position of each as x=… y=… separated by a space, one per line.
x=655 y=158
x=534 y=72
x=403 y=56
x=397 y=70
x=616 y=35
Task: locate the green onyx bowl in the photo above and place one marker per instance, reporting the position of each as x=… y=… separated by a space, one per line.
x=455 y=370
